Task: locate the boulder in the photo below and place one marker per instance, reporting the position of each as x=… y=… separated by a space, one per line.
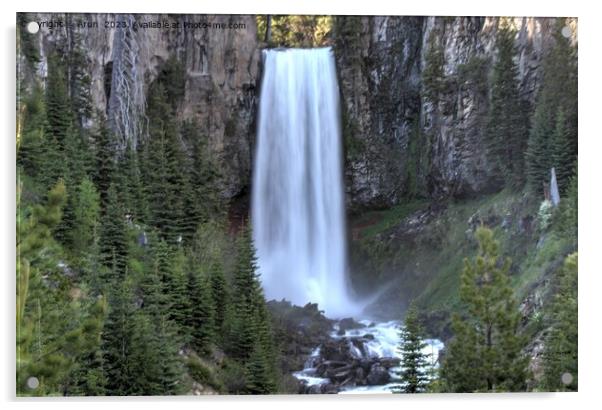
x=378 y=375
x=360 y=376
x=329 y=388
x=348 y=324
x=389 y=362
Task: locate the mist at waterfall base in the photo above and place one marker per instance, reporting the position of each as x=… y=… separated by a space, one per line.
x=298 y=211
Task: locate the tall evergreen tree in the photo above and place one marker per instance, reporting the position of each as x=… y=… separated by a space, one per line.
x=560 y=354
x=118 y=339
x=245 y=301
x=158 y=368
x=201 y=319
x=130 y=183
x=251 y=335
x=485 y=353
x=79 y=79
x=563 y=158
x=105 y=169
x=176 y=285
x=566 y=218
x=31 y=132
x=219 y=296
x=507 y=123
x=414 y=362
x=88 y=377
x=259 y=379
x=58 y=105
x=165 y=175
x=558 y=94
x=113 y=235
x=86 y=218
x=202 y=202
x=433 y=76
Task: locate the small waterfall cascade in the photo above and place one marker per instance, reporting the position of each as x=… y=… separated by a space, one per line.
x=365 y=359
x=297 y=200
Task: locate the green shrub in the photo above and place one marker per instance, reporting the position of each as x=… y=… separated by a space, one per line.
x=202 y=374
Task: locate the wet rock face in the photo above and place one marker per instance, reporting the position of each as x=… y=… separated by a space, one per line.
x=222 y=71
x=397 y=141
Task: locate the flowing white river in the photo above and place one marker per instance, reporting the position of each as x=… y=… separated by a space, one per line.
x=297 y=201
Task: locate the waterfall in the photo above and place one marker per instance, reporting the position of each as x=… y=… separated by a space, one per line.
x=297 y=203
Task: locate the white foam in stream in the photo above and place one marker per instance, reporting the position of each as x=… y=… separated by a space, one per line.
x=385 y=344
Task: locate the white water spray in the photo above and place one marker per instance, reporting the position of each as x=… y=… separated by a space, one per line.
x=298 y=206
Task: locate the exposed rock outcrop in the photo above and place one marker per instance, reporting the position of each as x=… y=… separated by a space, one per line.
x=398 y=141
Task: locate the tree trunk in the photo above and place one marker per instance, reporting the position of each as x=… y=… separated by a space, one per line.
x=268 y=28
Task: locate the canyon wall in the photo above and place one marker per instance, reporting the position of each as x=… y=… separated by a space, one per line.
x=397 y=142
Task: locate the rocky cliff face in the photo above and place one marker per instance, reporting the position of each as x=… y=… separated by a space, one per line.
x=399 y=142
x=124 y=53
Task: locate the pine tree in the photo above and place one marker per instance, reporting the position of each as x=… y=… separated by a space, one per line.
x=86 y=218
x=201 y=319
x=560 y=354
x=219 y=296
x=566 y=218
x=105 y=169
x=251 y=325
x=55 y=327
x=88 y=378
x=433 y=76
x=506 y=126
x=413 y=376
x=34 y=239
x=176 y=286
x=165 y=175
x=31 y=128
x=58 y=106
x=118 y=339
x=485 y=354
x=202 y=202
x=113 y=234
x=246 y=293
x=157 y=367
x=558 y=93
x=79 y=79
x=562 y=156
x=258 y=378
x=130 y=183
x=539 y=152
x=76 y=156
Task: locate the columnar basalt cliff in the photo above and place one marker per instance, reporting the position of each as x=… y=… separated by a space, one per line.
x=398 y=140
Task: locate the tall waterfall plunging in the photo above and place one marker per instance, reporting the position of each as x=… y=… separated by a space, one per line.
x=297 y=203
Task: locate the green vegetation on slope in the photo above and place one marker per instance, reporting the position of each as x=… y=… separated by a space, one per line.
x=421 y=248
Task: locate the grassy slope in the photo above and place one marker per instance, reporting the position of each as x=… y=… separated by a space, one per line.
x=420 y=252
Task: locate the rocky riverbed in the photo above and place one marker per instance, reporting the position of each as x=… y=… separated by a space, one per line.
x=357 y=357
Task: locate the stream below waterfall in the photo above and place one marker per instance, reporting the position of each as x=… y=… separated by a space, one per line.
x=362 y=359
